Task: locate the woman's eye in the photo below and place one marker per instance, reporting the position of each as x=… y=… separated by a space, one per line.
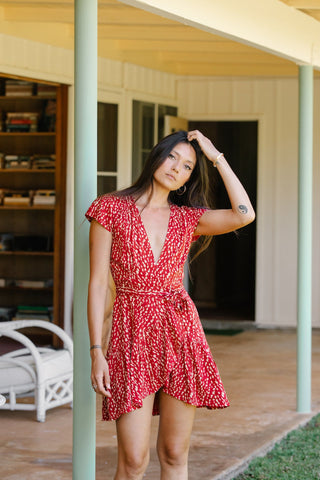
x=170 y=155
x=188 y=167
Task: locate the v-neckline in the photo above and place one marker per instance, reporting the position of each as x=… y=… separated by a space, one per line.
x=155 y=263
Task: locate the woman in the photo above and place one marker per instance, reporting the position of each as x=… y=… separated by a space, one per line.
x=158 y=360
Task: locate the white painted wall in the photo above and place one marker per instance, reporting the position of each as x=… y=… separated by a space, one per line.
x=274 y=103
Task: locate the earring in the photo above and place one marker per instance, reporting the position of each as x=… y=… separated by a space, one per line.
x=181 y=190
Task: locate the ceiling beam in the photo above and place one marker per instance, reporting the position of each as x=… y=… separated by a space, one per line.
x=312 y=4
x=180 y=46
x=54 y=3
x=64 y=13
x=314 y=13
x=269 y=25
x=144 y=32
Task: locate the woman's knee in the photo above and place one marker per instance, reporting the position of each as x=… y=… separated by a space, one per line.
x=173 y=455
x=133 y=464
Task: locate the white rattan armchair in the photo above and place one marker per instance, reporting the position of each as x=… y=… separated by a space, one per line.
x=42 y=372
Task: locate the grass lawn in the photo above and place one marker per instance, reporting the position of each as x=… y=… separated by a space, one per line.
x=296 y=457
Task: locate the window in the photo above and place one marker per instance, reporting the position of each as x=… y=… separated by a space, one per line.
x=107 y=147
x=147 y=130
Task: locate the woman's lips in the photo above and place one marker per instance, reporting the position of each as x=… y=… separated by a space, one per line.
x=171 y=177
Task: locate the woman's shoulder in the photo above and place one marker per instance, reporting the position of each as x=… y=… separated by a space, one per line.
x=107 y=209
x=111 y=199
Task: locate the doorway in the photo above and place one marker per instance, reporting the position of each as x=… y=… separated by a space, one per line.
x=222 y=281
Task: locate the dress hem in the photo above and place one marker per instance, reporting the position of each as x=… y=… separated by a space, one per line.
x=156 y=412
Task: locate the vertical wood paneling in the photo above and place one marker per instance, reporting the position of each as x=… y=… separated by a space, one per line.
x=243 y=96
x=110 y=73
x=285 y=214
x=36 y=60
x=263 y=103
x=149 y=81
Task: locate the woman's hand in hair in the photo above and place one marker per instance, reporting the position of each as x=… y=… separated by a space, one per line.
x=207 y=147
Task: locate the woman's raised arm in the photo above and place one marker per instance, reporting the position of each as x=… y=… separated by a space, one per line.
x=241 y=213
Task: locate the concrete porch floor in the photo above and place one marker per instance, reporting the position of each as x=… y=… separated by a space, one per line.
x=258 y=371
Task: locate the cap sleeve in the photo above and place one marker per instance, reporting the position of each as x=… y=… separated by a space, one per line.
x=194 y=215
x=102 y=210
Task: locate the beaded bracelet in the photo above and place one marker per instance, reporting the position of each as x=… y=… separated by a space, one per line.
x=217 y=159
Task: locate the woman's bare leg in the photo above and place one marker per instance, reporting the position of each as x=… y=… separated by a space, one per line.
x=133 y=433
x=176 y=421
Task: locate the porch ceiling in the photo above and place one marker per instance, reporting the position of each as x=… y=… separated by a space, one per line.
x=132 y=35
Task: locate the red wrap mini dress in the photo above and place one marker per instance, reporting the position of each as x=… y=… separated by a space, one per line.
x=157 y=340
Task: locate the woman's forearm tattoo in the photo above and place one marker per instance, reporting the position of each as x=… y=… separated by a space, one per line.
x=242 y=209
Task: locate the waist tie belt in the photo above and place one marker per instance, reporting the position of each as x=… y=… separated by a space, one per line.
x=177 y=298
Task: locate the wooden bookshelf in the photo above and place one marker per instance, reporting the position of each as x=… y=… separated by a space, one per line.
x=34 y=220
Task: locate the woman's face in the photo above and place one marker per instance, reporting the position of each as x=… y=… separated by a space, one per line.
x=177 y=167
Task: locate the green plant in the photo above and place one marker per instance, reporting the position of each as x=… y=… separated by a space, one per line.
x=296 y=457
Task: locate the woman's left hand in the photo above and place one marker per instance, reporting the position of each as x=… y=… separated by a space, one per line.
x=207 y=147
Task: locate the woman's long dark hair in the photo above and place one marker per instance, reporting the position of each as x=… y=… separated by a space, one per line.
x=197 y=187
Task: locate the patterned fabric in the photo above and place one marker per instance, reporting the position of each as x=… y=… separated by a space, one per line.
x=157 y=340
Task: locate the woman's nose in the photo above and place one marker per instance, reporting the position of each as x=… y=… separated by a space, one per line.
x=175 y=168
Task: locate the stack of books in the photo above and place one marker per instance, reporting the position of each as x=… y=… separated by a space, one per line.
x=25 y=312
x=15 y=197
x=44 y=197
x=18 y=88
x=16 y=161
x=46 y=91
x=12 y=282
x=30 y=283
x=43 y=162
x=22 y=122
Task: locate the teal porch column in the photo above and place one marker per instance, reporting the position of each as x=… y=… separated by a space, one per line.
x=85 y=186
x=304 y=331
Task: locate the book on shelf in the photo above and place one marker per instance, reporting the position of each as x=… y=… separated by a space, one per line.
x=44 y=197
x=15 y=197
x=16 y=161
x=22 y=121
x=43 y=162
x=33 y=312
x=35 y=316
x=46 y=91
x=18 y=88
x=33 y=283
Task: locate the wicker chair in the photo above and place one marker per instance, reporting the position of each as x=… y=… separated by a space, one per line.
x=41 y=372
